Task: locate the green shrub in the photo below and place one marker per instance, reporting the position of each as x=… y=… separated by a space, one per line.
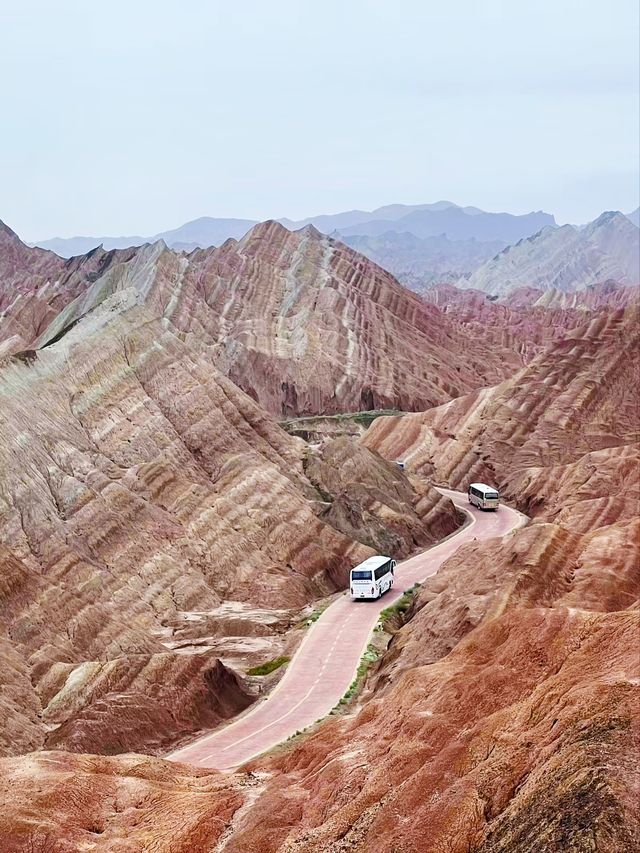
x=269 y=666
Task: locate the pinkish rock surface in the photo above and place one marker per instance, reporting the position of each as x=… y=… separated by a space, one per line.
x=301 y=322
x=528 y=319
x=536 y=435
x=141 y=489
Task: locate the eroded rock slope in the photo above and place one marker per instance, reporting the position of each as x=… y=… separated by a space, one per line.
x=301 y=322
x=141 y=491
x=503 y=717
x=528 y=320
x=566 y=259
x=539 y=435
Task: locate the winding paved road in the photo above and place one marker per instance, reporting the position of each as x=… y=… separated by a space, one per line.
x=325 y=664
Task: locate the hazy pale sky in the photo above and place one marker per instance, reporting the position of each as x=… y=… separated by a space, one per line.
x=133 y=117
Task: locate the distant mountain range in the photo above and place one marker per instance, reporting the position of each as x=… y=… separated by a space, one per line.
x=419 y=262
x=426 y=244
x=635 y=217
x=457 y=224
x=199 y=233
x=565 y=259
x=568 y=258
x=444 y=218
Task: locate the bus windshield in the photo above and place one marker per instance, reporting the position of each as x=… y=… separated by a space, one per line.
x=360 y=576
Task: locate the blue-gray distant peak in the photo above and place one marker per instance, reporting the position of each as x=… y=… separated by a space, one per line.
x=421 y=220
x=458 y=224
x=634 y=217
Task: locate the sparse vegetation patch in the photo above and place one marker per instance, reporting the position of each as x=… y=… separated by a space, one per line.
x=269 y=666
x=402 y=604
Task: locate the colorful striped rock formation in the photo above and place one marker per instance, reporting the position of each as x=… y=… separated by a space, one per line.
x=141 y=493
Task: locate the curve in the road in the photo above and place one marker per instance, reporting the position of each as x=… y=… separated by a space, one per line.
x=325 y=664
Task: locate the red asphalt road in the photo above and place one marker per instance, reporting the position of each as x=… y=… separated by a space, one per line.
x=325 y=664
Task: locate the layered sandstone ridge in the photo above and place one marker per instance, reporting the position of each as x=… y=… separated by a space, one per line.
x=541 y=433
x=141 y=489
x=504 y=715
x=35 y=285
x=301 y=322
x=529 y=319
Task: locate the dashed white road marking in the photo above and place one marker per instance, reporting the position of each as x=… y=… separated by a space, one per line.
x=443 y=549
x=291 y=710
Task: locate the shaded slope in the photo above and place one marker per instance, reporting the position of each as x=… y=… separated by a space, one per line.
x=36 y=285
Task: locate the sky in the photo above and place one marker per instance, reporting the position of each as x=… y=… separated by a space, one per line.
x=134 y=117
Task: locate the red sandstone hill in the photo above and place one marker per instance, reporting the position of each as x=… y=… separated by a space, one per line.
x=528 y=319
x=604 y=294
x=35 y=285
x=142 y=490
x=576 y=399
x=503 y=718
x=301 y=322
x=306 y=325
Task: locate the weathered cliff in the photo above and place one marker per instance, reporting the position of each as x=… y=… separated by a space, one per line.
x=140 y=489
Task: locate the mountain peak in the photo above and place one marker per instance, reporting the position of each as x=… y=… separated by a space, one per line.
x=267 y=230
x=8 y=232
x=607 y=216
x=565 y=259
x=311 y=231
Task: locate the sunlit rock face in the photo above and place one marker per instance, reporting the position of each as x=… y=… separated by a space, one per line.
x=35 y=285
x=523 y=737
x=306 y=325
x=142 y=488
x=504 y=714
x=56 y=802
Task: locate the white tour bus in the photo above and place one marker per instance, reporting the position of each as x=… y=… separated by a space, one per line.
x=485 y=497
x=372 y=578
